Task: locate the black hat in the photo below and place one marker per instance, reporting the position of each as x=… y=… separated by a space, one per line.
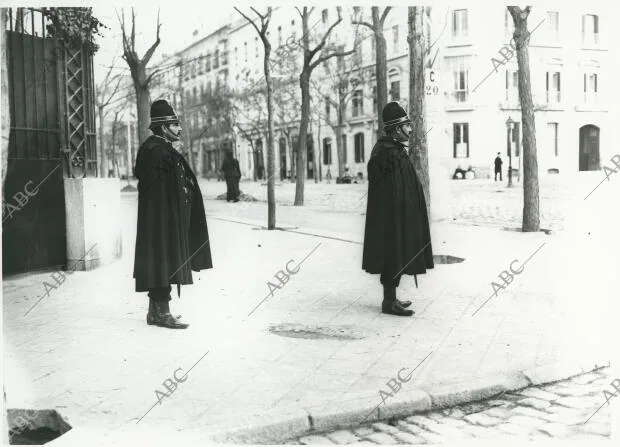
x=162 y=113
x=393 y=115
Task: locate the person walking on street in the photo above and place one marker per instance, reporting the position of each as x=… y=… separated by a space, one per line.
x=172 y=237
x=397 y=236
x=232 y=174
x=498 y=167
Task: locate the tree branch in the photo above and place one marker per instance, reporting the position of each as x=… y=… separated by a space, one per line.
x=329 y=56
x=248 y=19
x=385 y=13
x=150 y=51
x=325 y=36
x=363 y=24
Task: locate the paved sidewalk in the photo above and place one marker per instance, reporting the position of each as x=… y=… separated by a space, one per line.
x=86 y=351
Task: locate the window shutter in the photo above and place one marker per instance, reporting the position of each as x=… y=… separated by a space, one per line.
x=455 y=136
x=595 y=20
x=559 y=88
x=584 y=82
x=595 y=83
x=547 y=81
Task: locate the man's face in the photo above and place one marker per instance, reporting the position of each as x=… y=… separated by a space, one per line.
x=174 y=131
x=403 y=132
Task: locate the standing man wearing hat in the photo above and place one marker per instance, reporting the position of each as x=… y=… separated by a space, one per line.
x=172 y=237
x=397 y=236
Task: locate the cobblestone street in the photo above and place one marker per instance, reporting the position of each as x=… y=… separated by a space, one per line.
x=557 y=411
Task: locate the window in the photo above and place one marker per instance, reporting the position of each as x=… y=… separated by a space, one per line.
x=327 y=108
x=359 y=147
x=202 y=92
x=395 y=90
x=208 y=62
x=324 y=16
x=590 y=88
x=553 y=25
x=512 y=85
x=460 y=79
x=459 y=23
x=374 y=97
x=460 y=133
x=224 y=58
x=552 y=129
x=245 y=50
x=236 y=56
x=589 y=28
x=357 y=103
x=373 y=48
x=200 y=64
x=216 y=59
x=256 y=47
x=395 y=37
x=344 y=149
x=327 y=151
x=195 y=96
x=192 y=67
x=279 y=35
x=553 y=87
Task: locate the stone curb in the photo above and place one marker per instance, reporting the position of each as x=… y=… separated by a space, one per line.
x=363 y=410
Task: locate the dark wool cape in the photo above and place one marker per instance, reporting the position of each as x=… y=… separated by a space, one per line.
x=397 y=234
x=172 y=237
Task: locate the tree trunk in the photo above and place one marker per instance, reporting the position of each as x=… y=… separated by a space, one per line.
x=103 y=159
x=341 y=117
x=144 y=112
x=304 y=82
x=271 y=160
x=289 y=142
x=380 y=67
x=418 y=146
x=4 y=96
x=531 y=206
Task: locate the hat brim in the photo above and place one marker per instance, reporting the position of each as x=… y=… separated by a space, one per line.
x=396 y=122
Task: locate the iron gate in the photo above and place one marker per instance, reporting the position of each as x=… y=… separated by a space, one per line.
x=52 y=136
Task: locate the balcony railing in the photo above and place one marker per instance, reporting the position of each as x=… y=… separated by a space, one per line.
x=458 y=96
x=590 y=98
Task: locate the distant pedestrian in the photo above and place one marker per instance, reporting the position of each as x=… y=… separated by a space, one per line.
x=232 y=174
x=328 y=176
x=397 y=234
x=172 y=237
x=498 y=167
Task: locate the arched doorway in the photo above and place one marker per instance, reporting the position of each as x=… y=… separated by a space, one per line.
x=589 y=156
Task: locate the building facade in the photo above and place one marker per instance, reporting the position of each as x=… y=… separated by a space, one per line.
x=471 y=87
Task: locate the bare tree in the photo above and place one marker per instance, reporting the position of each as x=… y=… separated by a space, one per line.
x=249 y=105
x=106 y=92
x=531 y=210
x=271 y=166
x=138 y=68
x=418 y=146
x=287 y=97
x=337 y=87
x=309 y=64
x=378 y=20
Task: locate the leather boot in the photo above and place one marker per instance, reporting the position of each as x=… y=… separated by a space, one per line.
x=152 y=313
x=391 y=305
x=403 y=303
x=162 y=317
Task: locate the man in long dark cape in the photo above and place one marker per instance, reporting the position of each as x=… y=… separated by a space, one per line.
x=172 y=237
x=397 y=236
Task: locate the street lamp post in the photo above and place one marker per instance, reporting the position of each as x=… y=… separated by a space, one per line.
x=509 y=124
